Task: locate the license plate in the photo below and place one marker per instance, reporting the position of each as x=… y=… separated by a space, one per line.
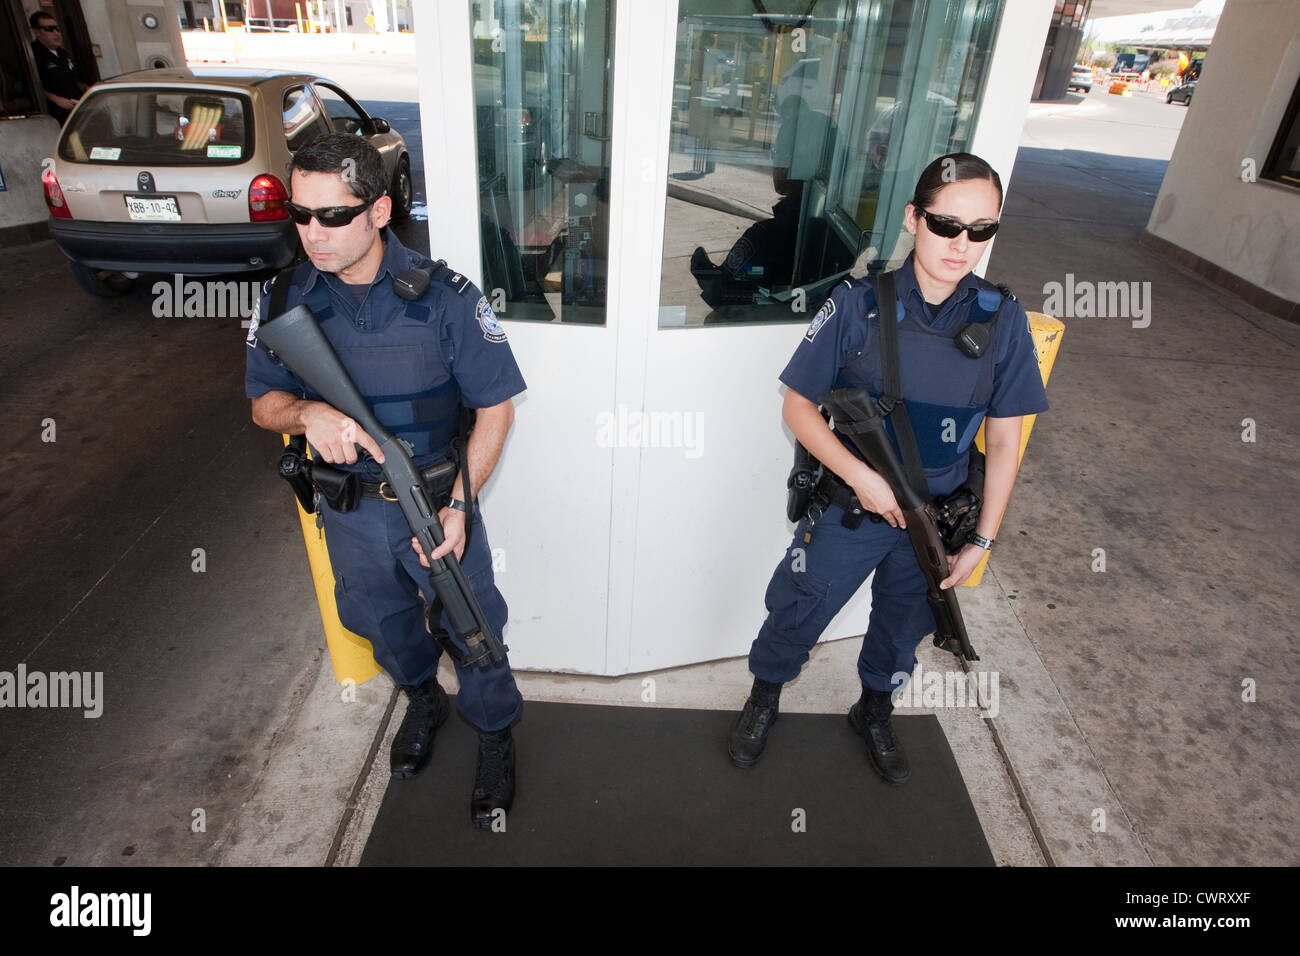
x=153 y=208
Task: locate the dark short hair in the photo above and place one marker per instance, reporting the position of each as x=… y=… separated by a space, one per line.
x=330 y=154
x=35 y=19
x=952 y=168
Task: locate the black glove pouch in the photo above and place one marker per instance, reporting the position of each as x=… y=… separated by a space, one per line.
x=340 y=489
x=957 y=514
x=800 y=484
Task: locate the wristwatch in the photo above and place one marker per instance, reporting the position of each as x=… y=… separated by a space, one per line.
x=980 y=541
x=457 y=505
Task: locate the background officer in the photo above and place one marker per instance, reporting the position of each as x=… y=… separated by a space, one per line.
x=953 y=215
x=57 y=71
x=416 y=363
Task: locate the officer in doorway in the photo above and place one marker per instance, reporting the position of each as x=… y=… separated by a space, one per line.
x=63 y=87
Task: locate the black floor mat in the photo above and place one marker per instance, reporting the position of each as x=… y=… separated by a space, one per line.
x=653 y=786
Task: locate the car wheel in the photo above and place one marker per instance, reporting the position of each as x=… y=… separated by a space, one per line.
x=402 y=190
x=101 y=282
x=1169 y=98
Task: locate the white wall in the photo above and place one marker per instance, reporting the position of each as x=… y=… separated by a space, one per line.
x=1250 y=229
x=23 y=145
x=124 y=43
x=1008 y=87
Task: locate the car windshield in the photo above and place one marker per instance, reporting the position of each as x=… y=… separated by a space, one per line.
x=180 y=127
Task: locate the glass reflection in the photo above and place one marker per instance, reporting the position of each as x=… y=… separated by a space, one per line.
x=542 y=74
x=793 y=137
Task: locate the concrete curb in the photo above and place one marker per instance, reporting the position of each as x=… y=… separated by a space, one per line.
x=307 y=785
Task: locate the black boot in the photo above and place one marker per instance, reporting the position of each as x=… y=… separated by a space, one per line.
x=749 y=735
x=494 y=777
x=426 y=710
x=870 y=718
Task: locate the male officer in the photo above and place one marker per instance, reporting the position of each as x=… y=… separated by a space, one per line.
x=416 y=363
x=57 y=71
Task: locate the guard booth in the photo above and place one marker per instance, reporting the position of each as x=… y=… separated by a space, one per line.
x=656 y=198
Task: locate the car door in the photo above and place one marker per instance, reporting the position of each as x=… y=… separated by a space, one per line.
x=346 y=116
x=304 y=117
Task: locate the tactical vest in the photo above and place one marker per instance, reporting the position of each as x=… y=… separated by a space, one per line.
x=399 y=370
x=947 y=407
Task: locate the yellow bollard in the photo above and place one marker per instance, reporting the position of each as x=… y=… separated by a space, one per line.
x=1047 y=332
x=350 y=653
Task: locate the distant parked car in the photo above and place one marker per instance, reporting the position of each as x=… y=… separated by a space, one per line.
x=182 y=170
x=1182 y=94
x=1080 y=79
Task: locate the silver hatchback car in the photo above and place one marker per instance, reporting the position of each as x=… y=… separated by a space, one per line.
x=184 y=171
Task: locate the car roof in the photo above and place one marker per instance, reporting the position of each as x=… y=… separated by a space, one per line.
x=236 y=76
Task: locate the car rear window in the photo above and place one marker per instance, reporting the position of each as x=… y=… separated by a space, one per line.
x=182 y=127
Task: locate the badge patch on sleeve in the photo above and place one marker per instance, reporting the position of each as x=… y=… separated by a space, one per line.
x=487 y=321
x=821 y=318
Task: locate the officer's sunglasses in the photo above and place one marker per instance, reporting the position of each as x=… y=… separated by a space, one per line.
x=950 y=228
x=330 y=217
x=50 y=29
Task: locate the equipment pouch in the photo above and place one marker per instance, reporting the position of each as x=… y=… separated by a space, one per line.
x=340 y=489
x=439 y=482
x=800 y=484
x=295 y=468
x=957 y=514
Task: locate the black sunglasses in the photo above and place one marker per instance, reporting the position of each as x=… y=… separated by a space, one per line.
x=331 y=217
x=51 y=29
x=950 y=228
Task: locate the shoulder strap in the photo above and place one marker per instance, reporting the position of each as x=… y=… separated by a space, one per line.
x=440 y=270
x=891 y=403
x=452 y=278
x=280 y=290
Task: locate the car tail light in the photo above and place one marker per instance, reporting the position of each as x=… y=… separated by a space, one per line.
x=54 y=195
x=266 y=199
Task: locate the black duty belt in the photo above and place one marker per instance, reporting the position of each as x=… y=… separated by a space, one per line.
x=831 y=490
x=438 y=480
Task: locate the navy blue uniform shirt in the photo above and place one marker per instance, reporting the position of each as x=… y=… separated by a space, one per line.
x=58 y=76
x=840 y=336
x=463 y=338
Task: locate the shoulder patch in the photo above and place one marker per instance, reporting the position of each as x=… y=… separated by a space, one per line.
x=487 y=320
x=821 y=318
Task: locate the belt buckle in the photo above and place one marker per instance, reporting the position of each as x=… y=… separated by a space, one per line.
x=385 y=490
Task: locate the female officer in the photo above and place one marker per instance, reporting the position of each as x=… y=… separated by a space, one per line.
x=953 y=214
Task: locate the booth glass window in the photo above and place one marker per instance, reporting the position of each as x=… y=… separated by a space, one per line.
x=543 y=73
x=796 y=139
